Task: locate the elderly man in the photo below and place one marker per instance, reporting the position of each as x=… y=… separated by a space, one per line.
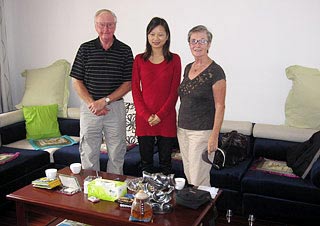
x=101 y=75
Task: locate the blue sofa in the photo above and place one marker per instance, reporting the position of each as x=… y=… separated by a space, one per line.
x=266 y=195
x=30 y=164
x=246 y=191
x=277 y=197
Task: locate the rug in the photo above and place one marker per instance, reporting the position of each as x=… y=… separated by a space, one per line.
x=56 y=142
x=273 y=167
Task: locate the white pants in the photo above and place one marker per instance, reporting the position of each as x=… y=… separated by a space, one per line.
x=192 y=144
x=113 y=126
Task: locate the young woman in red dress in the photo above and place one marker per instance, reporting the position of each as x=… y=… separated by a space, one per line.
x=155 y=79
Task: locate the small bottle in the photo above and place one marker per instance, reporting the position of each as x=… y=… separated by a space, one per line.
x=141 y=209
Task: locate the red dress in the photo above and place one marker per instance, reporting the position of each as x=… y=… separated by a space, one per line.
x=155 y=91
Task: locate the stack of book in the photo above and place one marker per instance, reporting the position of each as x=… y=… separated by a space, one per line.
x=46 y=183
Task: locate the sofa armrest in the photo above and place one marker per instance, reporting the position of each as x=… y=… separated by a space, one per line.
x=315 y=173
x=11 y=117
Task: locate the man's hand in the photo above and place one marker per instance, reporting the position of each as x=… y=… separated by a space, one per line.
x=96 y=106
x=101 y=112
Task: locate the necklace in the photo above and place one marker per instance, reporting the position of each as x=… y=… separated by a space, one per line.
x=197 y=68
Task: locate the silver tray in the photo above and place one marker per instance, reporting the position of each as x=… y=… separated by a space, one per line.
x=137 y=184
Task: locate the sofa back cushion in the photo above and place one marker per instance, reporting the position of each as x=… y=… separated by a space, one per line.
x=273 y=141
x=48 y=85
x=282 y=132
x=302 y=107
x=17 y=131
x=13 y=132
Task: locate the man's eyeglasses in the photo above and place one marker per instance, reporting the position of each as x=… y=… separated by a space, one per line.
x=102 y=25
x=200 y=41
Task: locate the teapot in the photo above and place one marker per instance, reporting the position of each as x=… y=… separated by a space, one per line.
x=141 y=209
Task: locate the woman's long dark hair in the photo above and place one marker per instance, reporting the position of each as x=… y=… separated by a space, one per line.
x=156 y=21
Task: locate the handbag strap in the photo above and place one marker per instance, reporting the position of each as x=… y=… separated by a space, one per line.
x=205 y=157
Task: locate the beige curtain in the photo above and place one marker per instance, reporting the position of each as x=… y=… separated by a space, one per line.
x=5 y=94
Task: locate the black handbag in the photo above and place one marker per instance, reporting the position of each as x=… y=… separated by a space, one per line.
x=192 y=197
x=233 y=150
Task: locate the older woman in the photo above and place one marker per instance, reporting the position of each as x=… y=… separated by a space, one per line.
x=202 y=95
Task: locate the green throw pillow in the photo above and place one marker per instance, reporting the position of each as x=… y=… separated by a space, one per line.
x=41 y=121
x=302 y=107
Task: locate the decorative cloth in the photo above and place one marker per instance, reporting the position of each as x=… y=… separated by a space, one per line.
x=7 y=157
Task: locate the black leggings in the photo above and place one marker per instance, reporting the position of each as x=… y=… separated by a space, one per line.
x=146 y=147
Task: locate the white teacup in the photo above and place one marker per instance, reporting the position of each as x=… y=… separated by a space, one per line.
x=51 y=173
x=180 y=182
x=75 y=168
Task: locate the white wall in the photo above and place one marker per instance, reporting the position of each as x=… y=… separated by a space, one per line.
x=254 y=41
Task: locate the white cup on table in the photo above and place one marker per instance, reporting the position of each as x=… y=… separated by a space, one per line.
x=180 y=182
x=75 y=168
x=51 y=173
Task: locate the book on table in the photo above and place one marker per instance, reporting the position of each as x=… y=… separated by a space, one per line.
x=46 y=183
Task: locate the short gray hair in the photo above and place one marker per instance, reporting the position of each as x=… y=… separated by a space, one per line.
x=99 y=12
x=200 y=28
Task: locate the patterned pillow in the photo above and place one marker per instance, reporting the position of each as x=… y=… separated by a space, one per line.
x=131 y=123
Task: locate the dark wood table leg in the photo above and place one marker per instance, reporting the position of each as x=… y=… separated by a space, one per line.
x=21 y=214
x=208 y=218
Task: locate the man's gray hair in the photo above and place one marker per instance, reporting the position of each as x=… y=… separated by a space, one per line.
x=99 y=12
x=200 y=28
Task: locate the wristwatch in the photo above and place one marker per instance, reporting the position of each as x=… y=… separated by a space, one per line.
x=107 y=100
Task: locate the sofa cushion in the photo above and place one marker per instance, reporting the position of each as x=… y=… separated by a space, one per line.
x=25 y=144
x=70 y=154
x=26 y=162
x=302 y=157
x=295 y=189
x=67 y=155
x=49 y=85
x=302 y=105
x=70 y=127
x=132 y=161
x=272 y=149
x=273 y=167
x=17 y=131
x=289 y=212
x=73 y=113
x=13 y=132
x=229 y=178
x=41 y=121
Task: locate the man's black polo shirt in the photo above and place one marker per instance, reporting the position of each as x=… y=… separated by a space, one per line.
x=101 y=71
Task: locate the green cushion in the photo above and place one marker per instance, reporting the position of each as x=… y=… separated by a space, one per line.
x=302 y=108
x=49 y=85
x=41 y=121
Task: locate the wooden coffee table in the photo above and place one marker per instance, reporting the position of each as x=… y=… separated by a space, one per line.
x=76 y=207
